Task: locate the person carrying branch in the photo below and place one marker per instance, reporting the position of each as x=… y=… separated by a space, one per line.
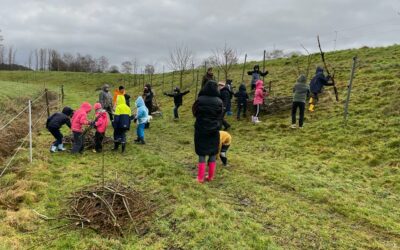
x=121 y=123
x=208 y=110
x=54 y=124
x=207 y=77
x=301 y=91
x=317 y=84
x=79 y=119
x=178 y=100
x=256 y=75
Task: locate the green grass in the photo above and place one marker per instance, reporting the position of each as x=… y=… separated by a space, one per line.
x=326 y=186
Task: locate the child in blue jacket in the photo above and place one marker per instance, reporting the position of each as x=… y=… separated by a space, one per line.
x=142 y=117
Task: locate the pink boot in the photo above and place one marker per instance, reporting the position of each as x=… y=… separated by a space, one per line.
x=211 y=170
x=201 y=171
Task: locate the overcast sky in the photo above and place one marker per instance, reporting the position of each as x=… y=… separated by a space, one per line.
x=148 y=29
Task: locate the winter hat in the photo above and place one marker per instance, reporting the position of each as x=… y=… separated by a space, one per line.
x=97 y=106
x=177 y=89
x=67 y=111
x=302 y=79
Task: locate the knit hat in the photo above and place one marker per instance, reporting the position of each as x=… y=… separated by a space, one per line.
x=97 y=106
x=302 y=78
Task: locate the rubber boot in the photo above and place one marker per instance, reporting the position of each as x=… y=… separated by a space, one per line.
x=311 y=105
x=211 y=170
x=61 y=147
x=142 y=141
x=116 y=146
x=137 y=140
x=201 y=171
x=123 y=147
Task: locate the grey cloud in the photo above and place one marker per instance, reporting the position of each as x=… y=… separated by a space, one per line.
x=147 y=30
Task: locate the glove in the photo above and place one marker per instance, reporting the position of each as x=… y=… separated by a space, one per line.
x=266 y=72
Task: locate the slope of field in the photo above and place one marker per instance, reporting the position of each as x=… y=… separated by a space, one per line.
x=326 y=186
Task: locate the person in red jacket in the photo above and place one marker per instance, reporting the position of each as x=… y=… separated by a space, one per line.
x=258 y=100
x=79 y=119
x=100 y=124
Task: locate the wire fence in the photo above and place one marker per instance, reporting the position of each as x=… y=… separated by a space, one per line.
x=43 y=106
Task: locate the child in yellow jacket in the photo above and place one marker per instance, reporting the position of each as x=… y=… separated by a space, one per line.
x=225 y=140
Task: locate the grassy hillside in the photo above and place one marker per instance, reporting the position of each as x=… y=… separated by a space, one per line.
x=326 y=186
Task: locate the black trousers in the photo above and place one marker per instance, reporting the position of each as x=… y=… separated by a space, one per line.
x=78 y=145
x=98 y=141
x=57 y=135
x=301 y=106
x=224 y=122
x=176 y=114
x=241 y=106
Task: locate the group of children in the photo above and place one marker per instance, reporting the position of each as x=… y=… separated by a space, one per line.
x=108 y=108
x=210 y=108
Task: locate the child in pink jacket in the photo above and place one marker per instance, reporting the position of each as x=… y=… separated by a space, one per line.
x=79 y=119
x=258 y=100
x=101 y=124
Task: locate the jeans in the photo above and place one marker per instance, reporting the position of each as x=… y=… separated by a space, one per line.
x=140 y=130
x=241 y=106
x=98 y=141
x=78 y=145
x=301 y=106
x=57 y=135
x=176 y=115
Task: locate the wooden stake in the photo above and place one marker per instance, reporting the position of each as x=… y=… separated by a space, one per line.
x=346 y=105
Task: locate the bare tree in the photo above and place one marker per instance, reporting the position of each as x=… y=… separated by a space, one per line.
x=126 y=67
x=36 y=60
x=149 y=69
x=30 y=60
x=180 y=59
x=1 y=49
x=103 y=64
x=224 y=59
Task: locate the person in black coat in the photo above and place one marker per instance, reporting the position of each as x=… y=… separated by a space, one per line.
x=54 y=124
x=242 y=98
x=148 y=96
x=208 y=110
x=178 y=100
x=226 y=99
x=207 y=77
x=229 y=104
x=317 y=84
x=256 y=75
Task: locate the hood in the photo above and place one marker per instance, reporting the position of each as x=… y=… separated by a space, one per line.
x=86 y=107
x=139 y=102
x=319 y=70
x=210 y=89
x=148 y=86
x=67 y=111
x=97 y=106
x=302 y=79
x=121 y=100
x=106 y=87
x=259 y=84
x=256 y=67
x=242 y=87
